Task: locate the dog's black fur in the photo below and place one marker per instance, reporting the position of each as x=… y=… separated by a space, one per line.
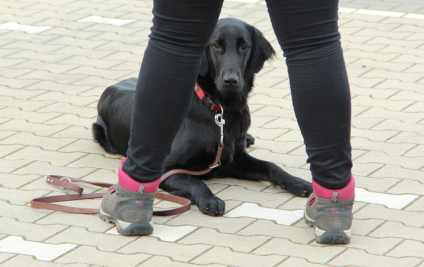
x=235 y=53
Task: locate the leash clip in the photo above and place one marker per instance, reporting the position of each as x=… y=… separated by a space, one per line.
x=65 y=178
x=219 y=120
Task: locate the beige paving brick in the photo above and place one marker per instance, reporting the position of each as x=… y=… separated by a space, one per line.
x=29 y=231
x=125 y=56
x=7 y=166
x=389 y=105
x=294 y=262
x=36 y=153
x=408 y=95
x=365 y=123
x=69 y=51
x=91 y=255
x=383 y=57
x=20 y=197
x=388 y=148
x=22 y=213
x=71 y=119
x=75 y=132
x=285 y=123
x=222 y=224
x=276 y=147
x=405 y=187
x=275 y=111
x=20 y=93
x=398 y=172
x=98 y=161
x=408 y=59
x=9 y=149
x=372 y=135
x=87 y=146
x=408 y=249
x=151 y=245
x=417 y=205
x=6 y=62
x=400 y=126
x=167 y=262
x=374 y=93
x=396 y=42
x=404 y=161
x=23 y=104
x=22 y=260
x=314 y=254
x=44 y=57
x=400 y=230
x=364 y=227
x=39 y=65
x=371 y=245
x=226 y=256
x=264 y=199
x=235 y=242
x=97 y=81
x=82 y=43
x=81 y=236
x=107 y=74
x=258 y=121
x=408 y=117
x=59 y=78
x=271 y=229
x=266 y=134
x=357 y=257
x=416 y=152
x=409 y=218
x=70 y=109
x=416 y=107
x=286 y=160
x=97 y=63
x=5 y=256
x=375 y=184
x=14 y=73
x=64 y=88
x=416 y=68
x=46 y=143
x=16 y=181
x=45 y=168
x=403 y=76
x=30 y=116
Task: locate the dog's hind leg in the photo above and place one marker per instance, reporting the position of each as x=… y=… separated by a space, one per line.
x=197 y=191
x=99 y=130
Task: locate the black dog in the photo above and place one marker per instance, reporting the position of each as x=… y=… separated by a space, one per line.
x=236 y=51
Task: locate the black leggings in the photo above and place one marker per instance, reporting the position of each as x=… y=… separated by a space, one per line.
x=307 y=31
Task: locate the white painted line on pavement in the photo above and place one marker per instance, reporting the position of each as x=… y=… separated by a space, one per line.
x=114 y=22
x=414 y=16
x=388 y=200
x=251 y=210
x=13 y=26
x=379 y=13
x=165 y=232
x=43 y=252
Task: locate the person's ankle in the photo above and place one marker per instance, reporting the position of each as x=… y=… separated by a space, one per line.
x=346 y=192
x=128 y=183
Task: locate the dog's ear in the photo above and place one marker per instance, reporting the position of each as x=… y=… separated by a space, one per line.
x=204 y=64
x=262 y=50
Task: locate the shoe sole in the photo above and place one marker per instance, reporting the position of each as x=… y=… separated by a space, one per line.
x=331 y=236
x=138 y=227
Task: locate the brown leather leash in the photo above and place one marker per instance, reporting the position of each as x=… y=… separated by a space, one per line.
x=65 y=182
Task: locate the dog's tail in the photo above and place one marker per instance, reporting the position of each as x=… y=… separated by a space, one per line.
x=100 y=136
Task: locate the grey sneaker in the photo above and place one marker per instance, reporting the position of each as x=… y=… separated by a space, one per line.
x=332 y=218
x=131 y=211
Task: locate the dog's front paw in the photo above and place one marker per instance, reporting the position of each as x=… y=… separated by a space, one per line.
x=297 y=187
x=250 y=140
x=211 y=205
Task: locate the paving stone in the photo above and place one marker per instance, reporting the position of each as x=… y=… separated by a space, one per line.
x=22 y=260
x=405 y=186
x=294 y=262
x=222 y=224
x=151 y=245
x=45 y=168
x=45 y=252
x=23 y=104
x=46 y=143
x=71 y=51
x=40 y=65
x=44 y=57
x=99 y=161
x=314 y=254
x=417 y=205
x=90 y=255
x=8 y=149
x=226 y=256
x=20 y=197
x=246 y=195
x=378 y=246
x=398 y=172
x=358 y=257
x=376 y=184
x=235 y=242
x=90 y=222
x=416 y=152
x=5 y=256
x=372 y=211
x=37 y=153
x=29 y=231
x=97 y=63
x=272 y=229
x=399 y=230
x=16 y=181
x=22 y=213
x=364 y=227
x=286 y=160
x=167 y=262
x=7 y=166
x=413 y=162
x=382 y=147
x=388 y=200
x=30 y=116
x=408 y=248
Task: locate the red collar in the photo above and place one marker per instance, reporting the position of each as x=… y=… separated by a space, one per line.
x=209 y=102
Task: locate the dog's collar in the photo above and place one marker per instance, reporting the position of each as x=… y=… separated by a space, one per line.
x=208 y=101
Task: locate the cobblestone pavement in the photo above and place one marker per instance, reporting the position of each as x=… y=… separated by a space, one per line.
x=56 y=58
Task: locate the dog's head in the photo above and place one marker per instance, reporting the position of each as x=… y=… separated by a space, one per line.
x=235 y=52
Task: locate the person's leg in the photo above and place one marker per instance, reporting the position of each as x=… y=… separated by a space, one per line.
x=307 y=31
x=181 y=30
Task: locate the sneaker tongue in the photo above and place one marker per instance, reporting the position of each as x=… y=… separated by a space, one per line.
x=345 y=193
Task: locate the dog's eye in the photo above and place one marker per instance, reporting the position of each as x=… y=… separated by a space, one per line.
x=243 y=46
x=217 y=46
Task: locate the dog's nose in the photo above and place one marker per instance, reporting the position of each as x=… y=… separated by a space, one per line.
x=230 y=80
